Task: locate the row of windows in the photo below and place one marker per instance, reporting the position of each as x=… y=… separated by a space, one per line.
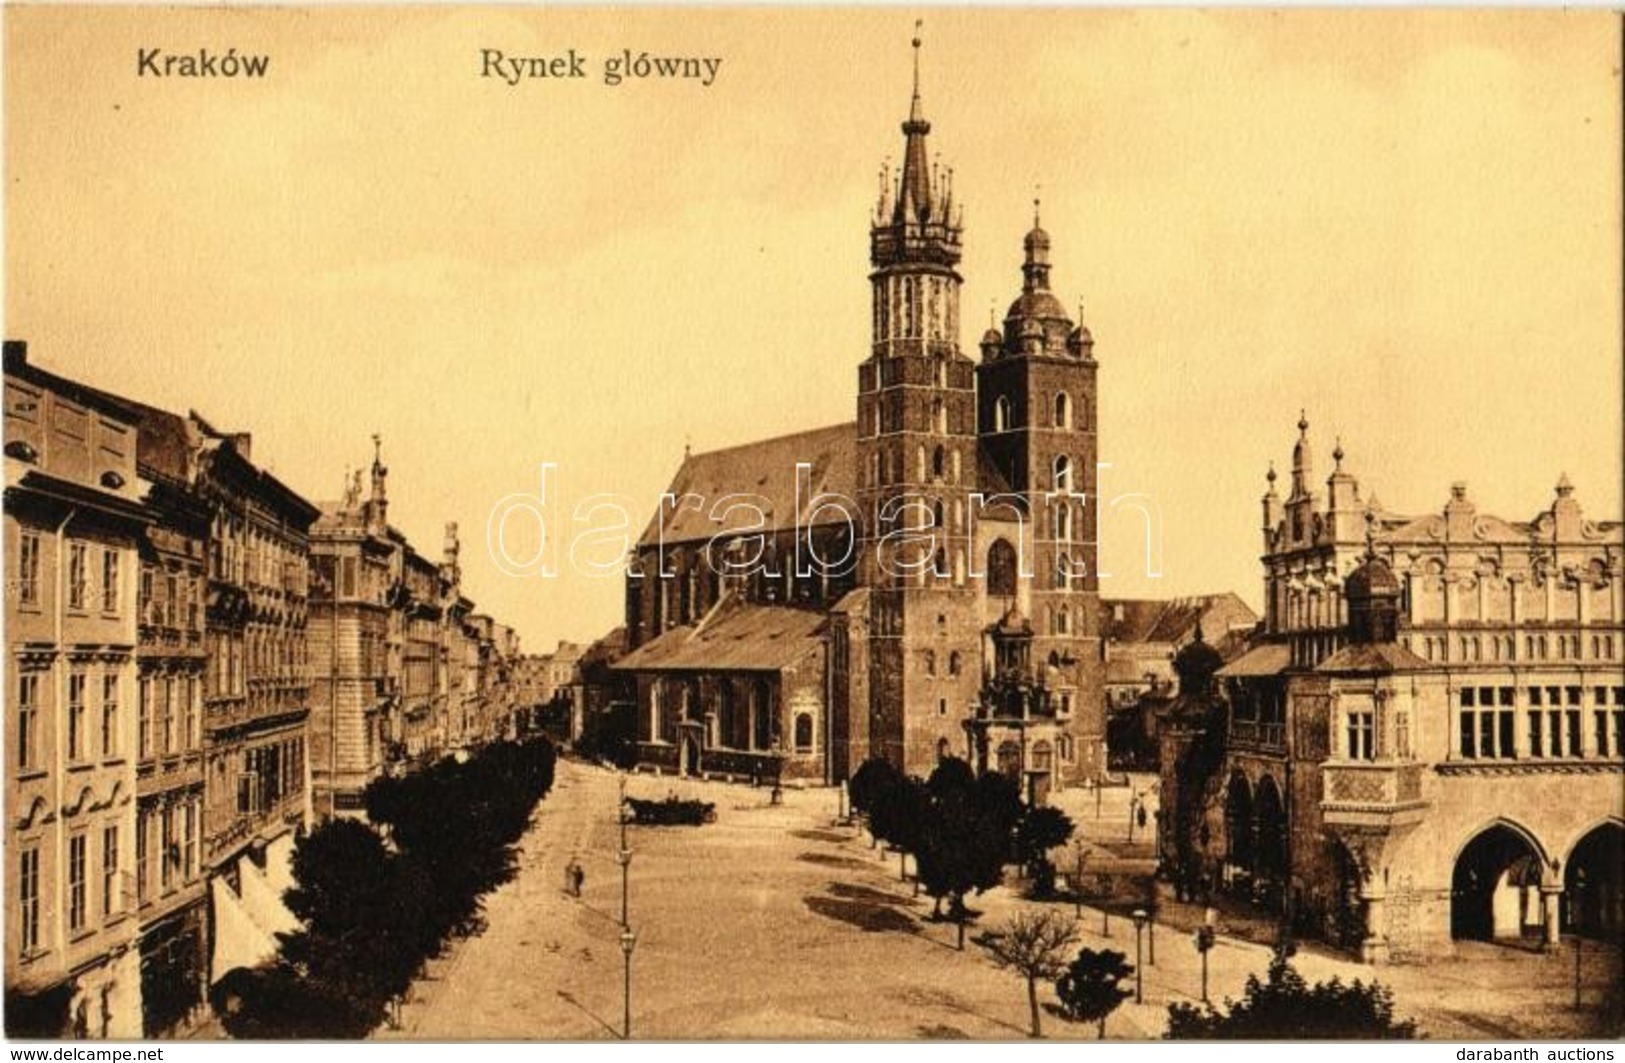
x=170 y=602
x=83 y=571
x=1555 y=719
x=1060 y=412
x=1505 y=647
x=175 y=859
x=170 y=719
x=83 y=878
x=269 y=774
x=242 y=554
x=915 y=307
x=1486 y=734
x=88 y=734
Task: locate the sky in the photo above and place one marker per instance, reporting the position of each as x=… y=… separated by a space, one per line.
x=1406 y=224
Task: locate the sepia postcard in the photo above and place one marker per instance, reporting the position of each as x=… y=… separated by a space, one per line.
x=585 y=523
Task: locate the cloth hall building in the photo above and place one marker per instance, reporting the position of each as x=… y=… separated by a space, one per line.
x=954 y=605
x=1424 y=744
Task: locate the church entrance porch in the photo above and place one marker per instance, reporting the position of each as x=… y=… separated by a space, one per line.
x=690 y=745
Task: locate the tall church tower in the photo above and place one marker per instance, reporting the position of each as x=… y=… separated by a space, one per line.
x=916 y=453
x=1037 y=427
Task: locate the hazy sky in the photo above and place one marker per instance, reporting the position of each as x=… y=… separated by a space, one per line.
x=1406 y=223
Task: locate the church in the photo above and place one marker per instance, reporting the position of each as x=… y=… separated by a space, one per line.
x=915 y=583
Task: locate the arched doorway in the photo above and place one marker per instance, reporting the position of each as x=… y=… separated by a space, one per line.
x=1594 y=903
x=1344 y=914
x=1238 y=833
x=1010 y=760
x=1495 y=889
x=1269 y=851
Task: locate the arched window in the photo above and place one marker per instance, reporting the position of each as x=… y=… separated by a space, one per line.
x=1062 y=522
x=1001 y=414
x=1063 y=473
x=1063 y=411
x=1063 y=621
x=804 y=732
x=939 y=417
x=956 y=466
x=940 y=369
x=939 y=462
x=1001 y=568
x=955 y=663
x=936 y=513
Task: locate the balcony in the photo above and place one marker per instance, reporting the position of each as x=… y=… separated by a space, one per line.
x=1258 y=734
x=1378 y=794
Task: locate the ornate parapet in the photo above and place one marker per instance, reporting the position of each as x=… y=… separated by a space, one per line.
x=1372 y=795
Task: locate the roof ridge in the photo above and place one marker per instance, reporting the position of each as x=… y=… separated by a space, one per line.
x=843 y=425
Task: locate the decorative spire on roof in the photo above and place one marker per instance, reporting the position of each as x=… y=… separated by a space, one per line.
x=914 y=201
x=1302 y=459
x=1564 y=487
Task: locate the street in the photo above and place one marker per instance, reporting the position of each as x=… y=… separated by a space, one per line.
x=772 y=923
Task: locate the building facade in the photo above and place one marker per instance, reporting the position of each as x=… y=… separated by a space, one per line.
x=170 y=893
x=256 y=694
x=1424 y=746
x=74 y=529
x=962 y=493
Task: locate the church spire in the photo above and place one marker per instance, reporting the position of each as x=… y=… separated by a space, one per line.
x=914 y=193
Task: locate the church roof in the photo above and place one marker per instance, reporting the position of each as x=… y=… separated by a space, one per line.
x=767 y=469
x=748 y=638
x=1174 y=620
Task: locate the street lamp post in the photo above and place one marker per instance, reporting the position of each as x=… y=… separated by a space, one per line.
x=1139 y=977
x=1204 y=945
x=624 y=857
x=628 y=939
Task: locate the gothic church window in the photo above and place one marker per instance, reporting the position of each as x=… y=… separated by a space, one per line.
x=1001 y=414
x=1001 y=568
x=1063 y=411
x=1063 y=473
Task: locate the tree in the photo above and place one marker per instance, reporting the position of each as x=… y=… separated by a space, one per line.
x=1285 y=1007
x=1040 y=830
x=871 y=787
x=959 y=852
x=1034 y=946
x=1089 y=989
x=999 y=799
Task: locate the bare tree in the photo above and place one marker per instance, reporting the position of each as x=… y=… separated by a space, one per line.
x=1034 y=945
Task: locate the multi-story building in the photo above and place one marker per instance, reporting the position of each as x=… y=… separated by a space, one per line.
x=354 y=697
x=256 y=693
x=170 y=894
x=74 y=529
x=1425 y=743
x=851 y=605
